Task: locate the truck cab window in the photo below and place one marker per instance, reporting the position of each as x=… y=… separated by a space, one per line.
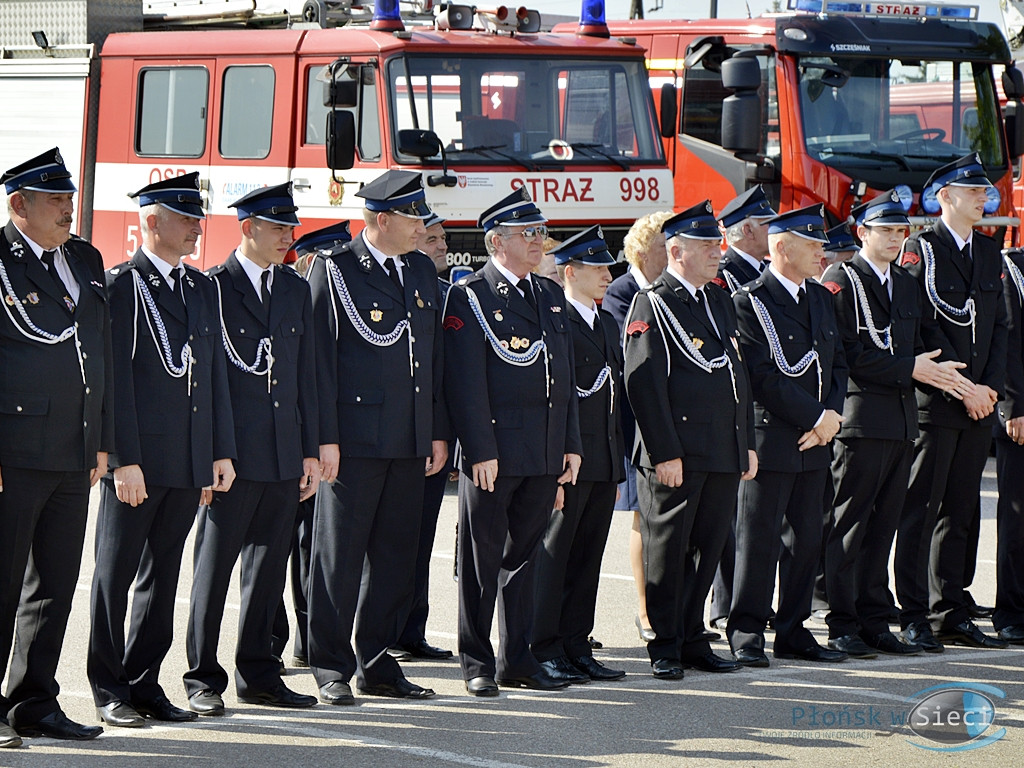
x=171 y=112
x=367 y=114
x=247 y=112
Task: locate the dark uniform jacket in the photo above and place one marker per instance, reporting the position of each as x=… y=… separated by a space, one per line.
x=1012 y=406
x=49 y=419
x=504 y=411
x=276 y=416
x=786 y=407
x=739 y=269
x=710 y=431
x=880 y=400
x=370 y=402
x=600 y=428
x=984 y=351
x=173 y=433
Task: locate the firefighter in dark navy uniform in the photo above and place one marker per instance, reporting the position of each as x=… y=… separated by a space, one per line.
x=383 y=426
x=175 y=442
x=791 y=343
x=56 y=410
x=744 y=221
x=959 y=272
x=683 y=368
x=511 y=391
x=569 y=560
x=879 y=310
x=266 y=317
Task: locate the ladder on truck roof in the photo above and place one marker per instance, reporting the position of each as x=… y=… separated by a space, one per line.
x=165 y=14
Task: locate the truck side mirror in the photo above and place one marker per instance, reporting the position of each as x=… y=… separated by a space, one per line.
x=1013 y=118
x=741 y=111
x=668 y=112
x=341 y=140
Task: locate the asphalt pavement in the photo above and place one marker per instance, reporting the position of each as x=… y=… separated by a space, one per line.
x=856 y=713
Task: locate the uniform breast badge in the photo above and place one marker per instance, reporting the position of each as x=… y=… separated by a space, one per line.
x=498 y=316
x=419 y=300
x=698 y=343
x=376 y=315
x=9 y=299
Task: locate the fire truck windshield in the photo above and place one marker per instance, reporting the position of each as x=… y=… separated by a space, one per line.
x=880 y=120
x=529 y=111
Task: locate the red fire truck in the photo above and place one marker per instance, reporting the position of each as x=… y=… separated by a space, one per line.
x=478 y=101
x=834 y=102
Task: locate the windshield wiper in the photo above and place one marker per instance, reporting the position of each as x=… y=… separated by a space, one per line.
x=871 y=156
x=495 y=148
x=598 y=149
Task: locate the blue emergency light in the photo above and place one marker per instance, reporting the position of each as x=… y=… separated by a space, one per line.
x=592 y=19
x=387 y=16
x=889 y=10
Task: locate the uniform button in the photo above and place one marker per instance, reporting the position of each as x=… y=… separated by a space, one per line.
x=493 y=421
x=241 y=330
x=359 y=399
x=85 y=423
x=195 y=409
x=195 y=385
x=412 y=339
x=552 y=379
x=85 y=356
x=417 y=389
x=273 y=382
x=20 y=409
x=409 y=315
x=277 y=404
x=88 y=391
x=417 y=364
x=683 y=418
x=293 y=329
x=190 y=338
x=271 y=338
x=790 y=338
x=550 y=405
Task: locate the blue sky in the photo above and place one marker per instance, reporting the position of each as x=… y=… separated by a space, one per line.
x=673 y=9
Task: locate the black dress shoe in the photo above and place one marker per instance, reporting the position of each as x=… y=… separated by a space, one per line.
x=336 y=692
x=300 y=662
x=160 y=708
x=482 y=686
x=967 y=633
x=667 y=669
x=539 y=681
x=121 y=714
x=561 y=669
x=810 y=653
x=976 y=611
x=399 y=689
x=853 y=647
x=8 y=736
x=710 y=636
x=887 y=642
x=421 y=649
x=595 y=670
x=710 y=662
x=280 y=696
x=920 y=633
x=280 y=663
x=595 y=645
x=1012 y=634
x=646 y=633
x=399 y=654
x=56 y=725
x=750 y=657
x=207 y=703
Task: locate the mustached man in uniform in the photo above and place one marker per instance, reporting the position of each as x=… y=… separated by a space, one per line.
x=511 y=388
x=791 y=343
x=56 y=428
x=959 y=272
x=569 y=560
x=683 y=368
x=266 y=317
x=879 y=310
x=175 y=442
x=383 y=427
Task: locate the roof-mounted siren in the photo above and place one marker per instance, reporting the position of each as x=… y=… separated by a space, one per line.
x=505 y=19
x=451 y=16
x=592 y=20
x=902 y=10
x=387 y=16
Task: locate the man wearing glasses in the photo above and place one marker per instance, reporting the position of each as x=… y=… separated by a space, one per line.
x=510 y=383
x=382 y=429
